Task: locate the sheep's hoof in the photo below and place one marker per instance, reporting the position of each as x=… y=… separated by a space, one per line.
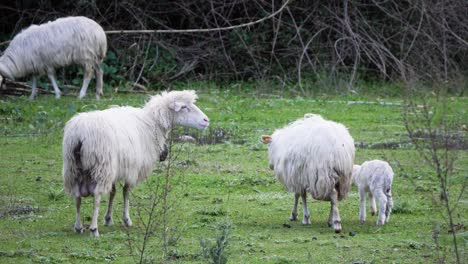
x=127 y=222
x=337 y=226
x=306 y=220
x=108 y=221
x=79 y=230
x=380 y=223
x=31 y=98
x=94 y=232
x=363 y=221
x=293 y=217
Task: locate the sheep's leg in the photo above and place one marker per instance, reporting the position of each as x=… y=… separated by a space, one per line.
x=389 y=206
x=34 y=88
x=108 y=221
x=294 y=210
x=362 y=205
x=94 y=220
x=334 y=219
x=126 y=214
x=99 y=82
x=51 y=75
x=88 y=74
x=372 y=204
x=382 y=206
x=305 y=210
x=78 y=225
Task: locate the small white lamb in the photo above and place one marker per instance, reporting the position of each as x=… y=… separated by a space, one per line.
x=374 y=177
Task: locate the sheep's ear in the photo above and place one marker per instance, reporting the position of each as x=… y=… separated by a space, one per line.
x=266 y=139
x=176 y=106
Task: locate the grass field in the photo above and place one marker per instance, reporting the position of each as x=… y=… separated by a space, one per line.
x=225 y=182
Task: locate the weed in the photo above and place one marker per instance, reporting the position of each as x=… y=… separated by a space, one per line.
x=216 y=252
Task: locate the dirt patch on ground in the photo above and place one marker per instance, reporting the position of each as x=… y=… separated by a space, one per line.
x=19 y=211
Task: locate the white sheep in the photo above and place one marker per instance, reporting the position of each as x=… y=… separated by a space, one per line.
x=41 y=49
x=313 y=155
x=374 y=177
x=121 y=144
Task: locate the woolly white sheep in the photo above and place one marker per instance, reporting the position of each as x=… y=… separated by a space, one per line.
x=41 y=49
x=121 y=144
x=313 y=155
x=374 y=177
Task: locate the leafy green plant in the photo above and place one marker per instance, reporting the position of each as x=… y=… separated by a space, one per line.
x=216 y=251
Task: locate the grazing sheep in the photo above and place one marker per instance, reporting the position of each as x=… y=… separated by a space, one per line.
x=121 y=144
x=41 y=49
x=313 y=155
x=374 y=177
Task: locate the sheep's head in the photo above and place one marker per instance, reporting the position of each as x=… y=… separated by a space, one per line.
x=175 y=108
x=185 y=112
x=266 y=139
x=189 y=115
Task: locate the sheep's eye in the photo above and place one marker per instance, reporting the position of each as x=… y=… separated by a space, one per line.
x=185 y=108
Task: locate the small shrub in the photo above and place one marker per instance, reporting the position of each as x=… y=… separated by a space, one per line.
x=216 y=252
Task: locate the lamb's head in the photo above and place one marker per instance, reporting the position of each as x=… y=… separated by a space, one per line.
x=356 y=170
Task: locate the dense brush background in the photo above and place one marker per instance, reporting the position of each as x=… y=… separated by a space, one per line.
x=324 y=42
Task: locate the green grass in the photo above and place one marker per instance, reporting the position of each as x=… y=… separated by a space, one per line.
x=222 y=183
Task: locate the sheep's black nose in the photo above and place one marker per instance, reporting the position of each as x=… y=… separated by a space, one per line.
x=206 y=119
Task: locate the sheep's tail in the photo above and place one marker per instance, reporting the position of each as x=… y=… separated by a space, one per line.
x=343 y=185
x=77 y=180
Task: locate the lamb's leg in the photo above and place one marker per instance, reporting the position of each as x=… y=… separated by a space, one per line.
x=305 y=210
x=108 y=218
x=294 y=210
x=94 y=220
x=382 y=198
x=78 y=225
x=334 y=219
x=388 y=210
x=34 y=88
x=99 y=82
x=51 y=75
x=126 y=214
x=372 y=204
x=88 y=74
x=362 y=205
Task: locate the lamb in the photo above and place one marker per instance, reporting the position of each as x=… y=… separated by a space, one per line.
x=313 y=155
x=41 y=49
x=374 y=177
x=121 y=144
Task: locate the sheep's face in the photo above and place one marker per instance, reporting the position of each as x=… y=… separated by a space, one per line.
x=189 y=115
x=266 y=139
